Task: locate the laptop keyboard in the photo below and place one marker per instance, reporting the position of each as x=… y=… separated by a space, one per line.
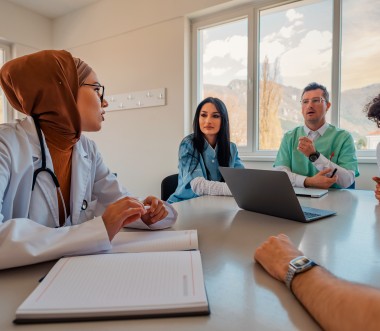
x=310 y=215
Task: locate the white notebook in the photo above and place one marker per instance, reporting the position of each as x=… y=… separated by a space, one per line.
x=154 y=241
x=115 y=286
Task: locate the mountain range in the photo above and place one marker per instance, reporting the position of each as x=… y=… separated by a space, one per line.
x=352 y=102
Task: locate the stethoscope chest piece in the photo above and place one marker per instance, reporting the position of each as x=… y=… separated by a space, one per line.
x=84 y=205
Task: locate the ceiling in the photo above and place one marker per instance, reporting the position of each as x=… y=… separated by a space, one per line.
x=53 y=8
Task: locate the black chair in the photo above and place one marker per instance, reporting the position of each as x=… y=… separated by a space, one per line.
x=168 y=186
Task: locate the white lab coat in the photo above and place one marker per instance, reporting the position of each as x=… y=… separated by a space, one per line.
x=28 y=219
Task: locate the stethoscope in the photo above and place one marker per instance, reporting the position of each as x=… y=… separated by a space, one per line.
x=49 y=171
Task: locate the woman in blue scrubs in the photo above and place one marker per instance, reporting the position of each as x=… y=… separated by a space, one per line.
x=202 y=152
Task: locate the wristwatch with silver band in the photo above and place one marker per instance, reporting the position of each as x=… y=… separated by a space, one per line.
x=296 y=266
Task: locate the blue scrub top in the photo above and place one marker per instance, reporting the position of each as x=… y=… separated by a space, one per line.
x=189 y=167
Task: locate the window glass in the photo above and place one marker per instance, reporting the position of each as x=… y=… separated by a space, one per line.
x=360 y=70
x=222 y=71
x=295 y=49
x=2 y=99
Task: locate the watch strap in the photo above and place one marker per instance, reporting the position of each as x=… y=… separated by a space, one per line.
x=289 y=277
x=293 y=271
x=314 y=156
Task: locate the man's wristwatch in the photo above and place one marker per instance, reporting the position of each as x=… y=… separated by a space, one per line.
x=314 y=156
x=296 y=266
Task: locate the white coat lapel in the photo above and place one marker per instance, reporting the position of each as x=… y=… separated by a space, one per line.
x=80 y=177
x=45 y=186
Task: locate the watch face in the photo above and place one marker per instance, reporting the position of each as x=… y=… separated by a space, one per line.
x=313 y=157
x=300 y=261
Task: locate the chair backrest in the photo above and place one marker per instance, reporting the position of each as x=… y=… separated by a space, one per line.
x=168 y=186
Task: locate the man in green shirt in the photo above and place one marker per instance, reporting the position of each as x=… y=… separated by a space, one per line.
x=317 y=154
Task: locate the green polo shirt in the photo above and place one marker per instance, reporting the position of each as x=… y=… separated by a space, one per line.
x=336 y=145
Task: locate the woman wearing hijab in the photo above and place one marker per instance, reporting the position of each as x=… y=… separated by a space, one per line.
x=57 y=197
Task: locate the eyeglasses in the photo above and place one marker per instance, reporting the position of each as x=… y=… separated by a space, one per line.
x=314 y=101
x=99 y=89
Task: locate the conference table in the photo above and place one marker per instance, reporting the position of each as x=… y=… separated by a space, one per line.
x=241 y=294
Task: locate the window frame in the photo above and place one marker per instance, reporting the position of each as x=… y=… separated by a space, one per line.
x=252 y=13
x=7 y=109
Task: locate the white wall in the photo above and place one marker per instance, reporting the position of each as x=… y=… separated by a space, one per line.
x=133 y=45
x=25 y=31
x=141 y=144
x=137 y=45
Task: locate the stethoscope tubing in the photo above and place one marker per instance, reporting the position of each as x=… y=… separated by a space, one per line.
x=43 y=166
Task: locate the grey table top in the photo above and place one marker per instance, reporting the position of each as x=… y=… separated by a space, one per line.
x=241 y=294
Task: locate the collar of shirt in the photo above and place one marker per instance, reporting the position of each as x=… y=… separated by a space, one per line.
x=209 y=150
x=321 y=130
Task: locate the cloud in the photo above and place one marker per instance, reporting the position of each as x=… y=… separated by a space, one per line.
x=309 y=59
x=242 y=74
x=271 y=49
x=316 y=40
x=287 y=31
x=213 y=71
x=360 y=61
x=234 y=47
x=293 y=15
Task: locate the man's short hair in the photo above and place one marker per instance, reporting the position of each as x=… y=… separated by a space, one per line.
x=315 y=86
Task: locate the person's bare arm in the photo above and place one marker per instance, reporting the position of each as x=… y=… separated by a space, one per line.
x=334 y=303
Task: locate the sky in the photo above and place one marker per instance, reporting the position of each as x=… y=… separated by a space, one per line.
x=299 y=36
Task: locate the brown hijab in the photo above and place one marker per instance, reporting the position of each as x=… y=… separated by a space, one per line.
x=45 y=84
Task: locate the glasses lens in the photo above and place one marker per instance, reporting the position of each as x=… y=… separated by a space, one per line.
x=314 y=101
x=101 y=91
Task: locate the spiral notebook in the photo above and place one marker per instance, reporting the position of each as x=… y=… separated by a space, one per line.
x=118 y=286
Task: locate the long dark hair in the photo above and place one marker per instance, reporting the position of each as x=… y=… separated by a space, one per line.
x=223 y=137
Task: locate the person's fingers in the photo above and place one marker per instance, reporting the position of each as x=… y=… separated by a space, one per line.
x=376 y=179
x=324 y=171
x=131 y=219
x=161 y=215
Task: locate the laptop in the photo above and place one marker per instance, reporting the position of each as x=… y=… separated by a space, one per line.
x=310 y=192
x=269 y=192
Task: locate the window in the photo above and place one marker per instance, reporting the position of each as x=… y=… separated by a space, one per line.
x=360 y=77
x=259 y=58
x=4 y=51
x=2 y=101
x=223 y=71
x=295 y=46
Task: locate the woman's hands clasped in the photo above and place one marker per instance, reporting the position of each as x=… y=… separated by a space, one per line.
x=128 y=210
x=156 y=210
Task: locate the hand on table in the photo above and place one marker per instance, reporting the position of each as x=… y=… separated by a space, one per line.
x=156 y=211
x=275 y=254
x=121 y=213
